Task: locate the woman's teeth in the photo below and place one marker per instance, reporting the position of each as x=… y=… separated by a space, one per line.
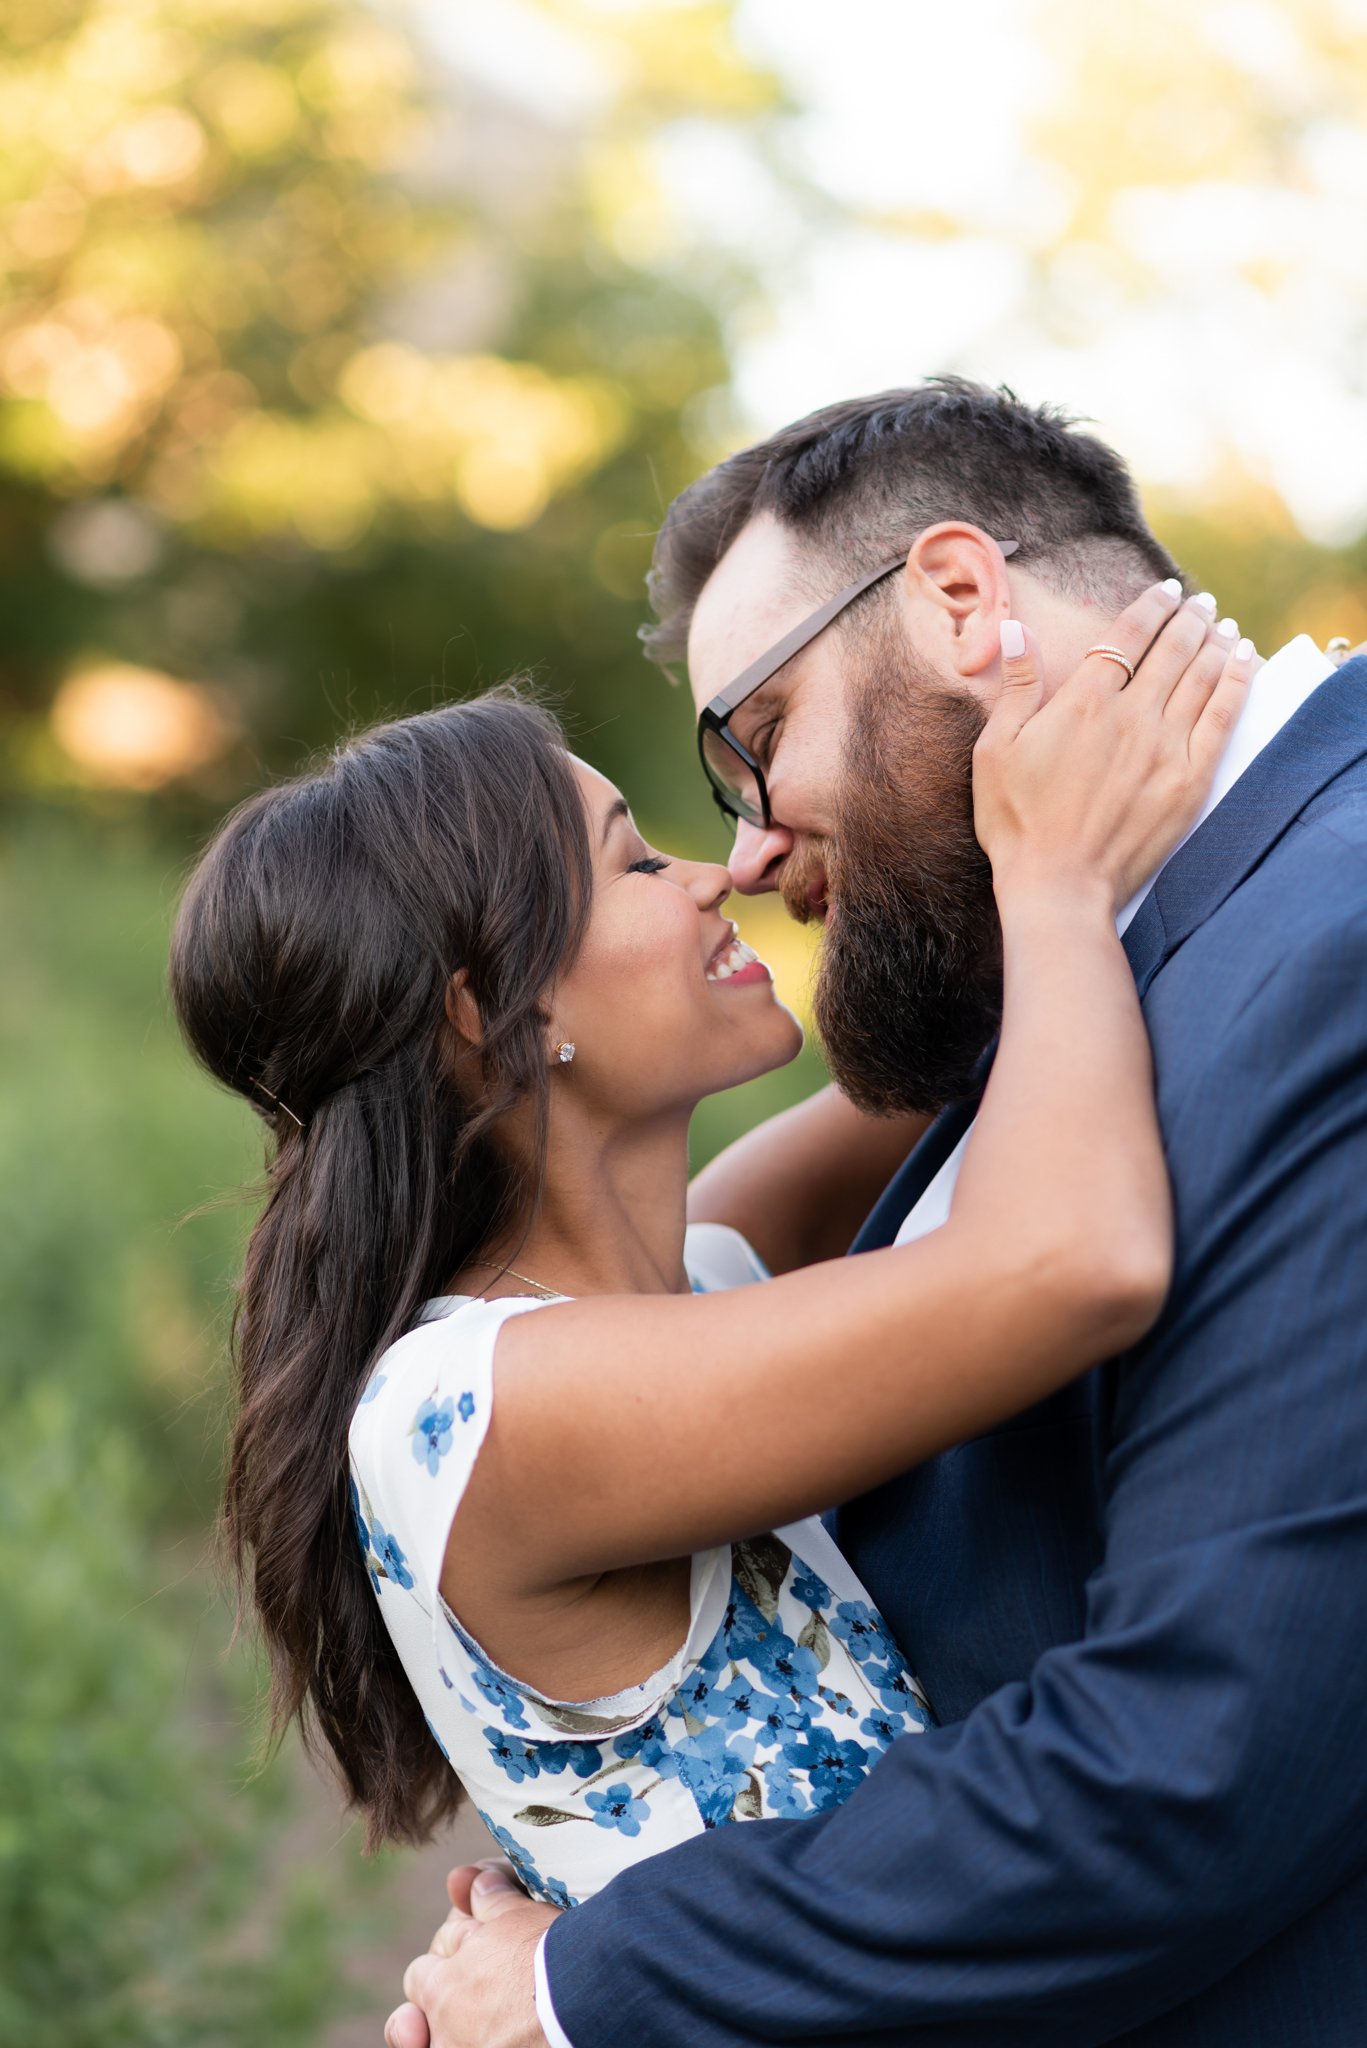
x=736 y=956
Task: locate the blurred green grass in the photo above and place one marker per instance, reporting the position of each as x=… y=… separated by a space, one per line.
x=135 y=1837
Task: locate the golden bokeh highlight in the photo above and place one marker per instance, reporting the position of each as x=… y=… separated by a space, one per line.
x=128 y=728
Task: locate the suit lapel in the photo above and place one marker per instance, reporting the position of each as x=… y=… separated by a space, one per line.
x=1325 y=737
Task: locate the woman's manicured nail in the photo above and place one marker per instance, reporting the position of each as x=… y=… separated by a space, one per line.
x=1013 y=639
x=1205 y=602
x=1173 y=586
x=1228 y=629
x=1244 y=651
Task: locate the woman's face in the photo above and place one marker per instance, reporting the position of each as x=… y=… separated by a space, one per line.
x=663 y=1004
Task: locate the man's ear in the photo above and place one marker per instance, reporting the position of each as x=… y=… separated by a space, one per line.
x=462 y=1011
x=957 y=580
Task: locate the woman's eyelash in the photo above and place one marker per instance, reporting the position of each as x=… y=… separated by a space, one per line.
x=651 y=865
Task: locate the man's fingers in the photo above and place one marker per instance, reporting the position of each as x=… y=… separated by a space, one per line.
x=459 y=1881
x=453 y=1931
x=406 y=2027
x=494 y=1891
x=421 y=1978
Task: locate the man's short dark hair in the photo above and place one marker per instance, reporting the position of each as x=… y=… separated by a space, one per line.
x=859 y=480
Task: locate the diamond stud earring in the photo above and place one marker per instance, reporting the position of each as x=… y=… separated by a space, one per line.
x=564 y=1052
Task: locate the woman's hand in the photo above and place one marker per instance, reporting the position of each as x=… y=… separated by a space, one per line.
x=1098 y=786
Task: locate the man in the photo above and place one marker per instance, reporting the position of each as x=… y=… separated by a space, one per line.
x=1144 y=1813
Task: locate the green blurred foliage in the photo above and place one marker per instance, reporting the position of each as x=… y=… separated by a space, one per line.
x=328 y=384
x=135 y=1831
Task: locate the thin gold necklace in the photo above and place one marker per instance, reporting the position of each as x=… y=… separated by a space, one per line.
x=486 y=1266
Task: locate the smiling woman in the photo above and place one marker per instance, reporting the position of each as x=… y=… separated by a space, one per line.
x=389 y=958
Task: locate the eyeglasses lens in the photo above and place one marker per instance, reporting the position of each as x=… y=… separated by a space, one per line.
x=733 y=779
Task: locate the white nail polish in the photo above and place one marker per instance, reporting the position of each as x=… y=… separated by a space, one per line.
x=1244 y=651
x=1173 y=586
x=1228 y=629
x=1205 y=602
x=1012 y=639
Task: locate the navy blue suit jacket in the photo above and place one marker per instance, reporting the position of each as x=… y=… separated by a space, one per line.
x=1136 y=1608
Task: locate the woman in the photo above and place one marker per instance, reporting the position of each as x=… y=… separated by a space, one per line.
x=478 y=1011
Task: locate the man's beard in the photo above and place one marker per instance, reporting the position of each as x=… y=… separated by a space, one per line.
x=908 y=994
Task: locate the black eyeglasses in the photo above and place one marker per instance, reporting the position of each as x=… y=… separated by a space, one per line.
x=734 y=775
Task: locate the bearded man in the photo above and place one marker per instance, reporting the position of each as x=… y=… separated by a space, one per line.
x=1143 y=1815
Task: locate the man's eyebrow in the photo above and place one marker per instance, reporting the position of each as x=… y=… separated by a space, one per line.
x=769 y=692
x=615 y=811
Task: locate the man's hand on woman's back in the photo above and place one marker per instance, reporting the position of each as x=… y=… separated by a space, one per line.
x=475 y=1987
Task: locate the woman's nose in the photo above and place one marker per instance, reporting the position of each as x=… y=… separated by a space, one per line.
x=759 y=852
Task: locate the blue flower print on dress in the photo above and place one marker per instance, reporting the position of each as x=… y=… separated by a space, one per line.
x=373 y=1386
x=882 y=1727
x=465 y=1407
x=742 y=1703
x=897 y=1692
x=785 y=1665
x=390 y=1561
x=618 y=1808
x=833 y=1767
x=518 y=1759
x=785 y=1718
x=713 y=1767
x=648 y=1742
x=585 y=1759
x=787 y=1798
x=548 y=1888
x=808 y=1588
x=432 y=1433
x=862 y=1632
x=694 y=1695
x=788 y=1666
x=743 y=1631
x=437 y=1739
x=499 y=1694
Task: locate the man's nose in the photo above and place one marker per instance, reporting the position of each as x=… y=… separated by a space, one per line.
x=758 y=854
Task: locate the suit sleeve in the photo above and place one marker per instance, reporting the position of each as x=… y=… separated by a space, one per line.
x=1098 y=1844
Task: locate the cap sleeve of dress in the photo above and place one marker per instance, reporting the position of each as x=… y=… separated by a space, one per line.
x=414 y=1440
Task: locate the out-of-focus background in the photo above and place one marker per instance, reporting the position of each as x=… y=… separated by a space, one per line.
x=349 y=354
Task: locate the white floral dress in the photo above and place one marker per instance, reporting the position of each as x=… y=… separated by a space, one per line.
x=785 y=1693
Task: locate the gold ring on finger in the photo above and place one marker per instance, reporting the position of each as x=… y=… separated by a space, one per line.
x=1114 y=654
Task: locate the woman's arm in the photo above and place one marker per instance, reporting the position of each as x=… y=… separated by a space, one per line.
x=800 y=1184
x=639 y=1428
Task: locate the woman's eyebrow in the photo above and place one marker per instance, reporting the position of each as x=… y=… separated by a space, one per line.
x=620 y=809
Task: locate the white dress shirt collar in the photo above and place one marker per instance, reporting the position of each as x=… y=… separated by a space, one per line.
x=1275 y=695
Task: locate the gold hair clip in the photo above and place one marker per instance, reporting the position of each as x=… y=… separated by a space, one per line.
x=256 y=1082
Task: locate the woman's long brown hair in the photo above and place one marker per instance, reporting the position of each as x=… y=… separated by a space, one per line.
x=309 y=969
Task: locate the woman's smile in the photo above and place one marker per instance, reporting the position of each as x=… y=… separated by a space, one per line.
x=738 y=965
